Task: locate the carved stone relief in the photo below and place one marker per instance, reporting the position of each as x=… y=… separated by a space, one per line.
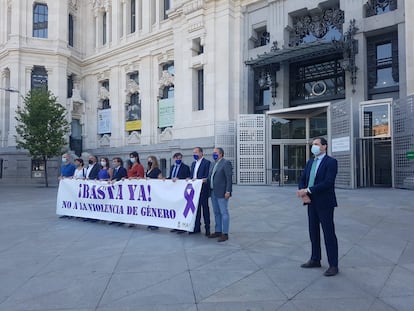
x=316 y=25
x=103 y=93
x=166 y=135
x=166 y=79
x=134 y=138
x=132 y=87
x=104 y=141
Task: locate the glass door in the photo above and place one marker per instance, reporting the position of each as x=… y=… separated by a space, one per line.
x=375 y=163
x=288 y=161
x=294 y=160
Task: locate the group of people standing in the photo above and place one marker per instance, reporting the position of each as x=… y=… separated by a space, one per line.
x=216 y=176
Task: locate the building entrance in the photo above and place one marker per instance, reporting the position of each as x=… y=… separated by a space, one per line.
x=291 y=131
x=288 y=161
x=375 y=163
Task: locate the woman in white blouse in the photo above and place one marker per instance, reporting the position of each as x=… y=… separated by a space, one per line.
x=80 y=172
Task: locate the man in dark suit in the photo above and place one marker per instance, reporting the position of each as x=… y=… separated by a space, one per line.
x=200 y=169
x=317 y=190
x=93 y=168
x=179 y=170
x=119 y=169
x=220 y=182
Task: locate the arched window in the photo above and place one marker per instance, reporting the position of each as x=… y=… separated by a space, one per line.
x=40 y=20
x=39 y=77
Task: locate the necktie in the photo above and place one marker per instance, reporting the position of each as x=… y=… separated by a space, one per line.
x=174 y=173
x=312 y=173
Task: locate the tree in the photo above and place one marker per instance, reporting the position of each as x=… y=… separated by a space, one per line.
x=42 y=126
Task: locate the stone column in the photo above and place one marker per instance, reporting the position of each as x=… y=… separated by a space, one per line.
x=15 y=101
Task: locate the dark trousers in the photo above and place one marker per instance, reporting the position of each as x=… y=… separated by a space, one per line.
x=203 y=205
x=322 y=216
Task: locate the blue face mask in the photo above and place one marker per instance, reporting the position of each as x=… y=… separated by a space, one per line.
x=64 y=160
x=315 y=150
x=178 y=162
x=215 y=156
x=195 y=156
x=133 y=160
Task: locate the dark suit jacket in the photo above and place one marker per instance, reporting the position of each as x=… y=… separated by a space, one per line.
x=183 y=171
x=323 y=190
x=203 y=171
x=119 y=173
x=94 y=172
x=222 y=179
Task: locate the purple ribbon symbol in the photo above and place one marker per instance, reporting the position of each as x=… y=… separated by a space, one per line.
x=189 y=196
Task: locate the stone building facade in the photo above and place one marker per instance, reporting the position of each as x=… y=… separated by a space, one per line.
x=259 y=77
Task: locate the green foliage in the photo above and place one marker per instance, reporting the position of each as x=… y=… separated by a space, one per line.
x=42 y=124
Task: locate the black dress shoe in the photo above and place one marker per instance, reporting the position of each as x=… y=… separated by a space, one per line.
x=207 y=233
x=311 y=264
x=331 y=271
x=173 y=230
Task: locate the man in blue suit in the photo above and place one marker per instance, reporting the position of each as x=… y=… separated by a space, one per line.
x=119 y=169
x=317 y=190
x=179 y=170
x=200 y=169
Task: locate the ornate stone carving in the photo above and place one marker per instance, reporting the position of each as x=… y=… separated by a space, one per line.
x=316 y=25
x=132 y=87
x=166 y=79
x=193 y=6
x=373 y=7
x=105 y=141
x=103 y=93
x=73 y=5
x=76 y=96
x=167 y=134
x=134 y=138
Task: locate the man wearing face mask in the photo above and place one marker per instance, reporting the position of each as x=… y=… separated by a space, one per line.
x=179 y=170
x=93 y=168
x=221 y=181
x=68 y=168
x=317 y=190
x=199 y=170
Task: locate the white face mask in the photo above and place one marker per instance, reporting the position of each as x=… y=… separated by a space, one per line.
x=103 y=163
x=64 y=160
x=315 y=150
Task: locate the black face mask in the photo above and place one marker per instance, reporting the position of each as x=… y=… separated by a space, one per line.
x=90 y=162
x=149 y=164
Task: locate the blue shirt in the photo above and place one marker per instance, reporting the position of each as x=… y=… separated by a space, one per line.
x=67 y=170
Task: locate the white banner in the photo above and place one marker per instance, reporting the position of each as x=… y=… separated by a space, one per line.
x=155 y=202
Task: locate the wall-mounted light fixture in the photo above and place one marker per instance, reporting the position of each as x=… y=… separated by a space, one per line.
x=350 y=49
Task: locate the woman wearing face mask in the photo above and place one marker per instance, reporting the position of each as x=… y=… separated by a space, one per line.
x=153 y=172
x=105 y=173
x=80 y=172
x=137 y=170
x=153 y=169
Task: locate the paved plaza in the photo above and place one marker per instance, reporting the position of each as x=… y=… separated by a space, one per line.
x=49 y=263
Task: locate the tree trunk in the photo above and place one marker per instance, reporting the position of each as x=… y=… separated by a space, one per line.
x=46 y=180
